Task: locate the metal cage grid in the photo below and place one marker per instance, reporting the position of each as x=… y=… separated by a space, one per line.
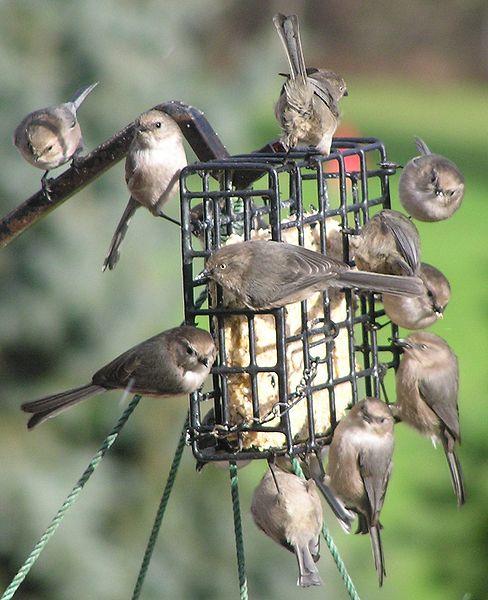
x=281 y=191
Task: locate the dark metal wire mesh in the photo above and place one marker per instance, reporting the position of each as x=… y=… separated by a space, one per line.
x=281 y=192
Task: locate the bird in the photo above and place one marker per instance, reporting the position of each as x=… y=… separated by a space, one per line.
x=431 y=187
x=287 y=508
x=263 y=274
x=154 y=161
x=50 y=137
x=359 y=468
x=427 y=386
x=308 y=107
x=388 y=243
x=420 y=311
x=176 y=361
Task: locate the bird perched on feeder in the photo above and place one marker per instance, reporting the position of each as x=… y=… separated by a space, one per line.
x=263 y=274
x=418 y=312
x=427 y=384
x=431 y=187
x=174 y=362
x=359 y=468
x=50 y=137
x=308 y=107
x=152 y=170
x=388 y=243
x=288 y=510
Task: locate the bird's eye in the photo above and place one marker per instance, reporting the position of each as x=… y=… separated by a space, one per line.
x=190 y=351
x=383 y=419
x=73 y=125
x=433 y=177
x=222 y=266
x=430 y=294
x=423 y=346
x=158 y=124
x=49 y=148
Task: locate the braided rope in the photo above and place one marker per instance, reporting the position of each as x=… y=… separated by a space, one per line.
x=70 y=500
x=341 y=567
x=241 y=563
x=161 y=510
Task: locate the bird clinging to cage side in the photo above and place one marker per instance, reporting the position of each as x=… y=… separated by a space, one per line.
x=50 y=137
x=152 y=169
x=288 y=510
x=359 y=468
x=264 y=274
x=308 y=107
x=388 y=243
x=427 y=384
x=418 y=312
x=176 y=361
x=431 y=187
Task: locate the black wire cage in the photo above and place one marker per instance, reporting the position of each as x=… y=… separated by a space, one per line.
x=309 y=200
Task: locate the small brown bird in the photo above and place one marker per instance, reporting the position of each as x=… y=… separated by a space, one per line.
x=420 y=311
x=388 y=243
x=174 y=362
x=265 y=274
x=359 y=467
x=431 y=187
x=427 y=384
x=308 y=107
x=152 y=170
x=288 y=510
x=50 y=137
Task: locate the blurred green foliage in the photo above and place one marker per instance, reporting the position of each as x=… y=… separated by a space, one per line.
x=61 y=317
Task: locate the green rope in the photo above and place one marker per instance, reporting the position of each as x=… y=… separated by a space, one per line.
x=161 y=510
x=70 y=500
x=241 y=563
x=341 y=567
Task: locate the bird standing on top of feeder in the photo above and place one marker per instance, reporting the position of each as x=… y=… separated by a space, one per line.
x=308 y=107
x=50 y=137
x=152 y=170
x=427 y=385
x=359 y=468
x=431 y=187
x=176 y=361
x=287 y=508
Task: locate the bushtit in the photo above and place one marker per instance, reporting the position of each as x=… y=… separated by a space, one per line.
x=388 y=243
x=176 y=361
x=210 y=443
x=263 y=274
x=49 y=137
x=431 y=187
x=420 y=311
x=152 y=169
x=288 y=510
x=427 y=392
x=359 y=467
x=308 y=107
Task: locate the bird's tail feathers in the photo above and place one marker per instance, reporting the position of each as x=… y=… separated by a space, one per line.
x=377 y=282
x=50 y=406
x=80 y=95
x=113 y=255
x=456 y=476
x=422 y=146
x=308 y=573
x=289 y=31
x=377 y=547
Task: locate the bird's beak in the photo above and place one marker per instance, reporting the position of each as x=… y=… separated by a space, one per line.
x=346 y=93
x=202 y=277
x=439 y=312
x=400 y=343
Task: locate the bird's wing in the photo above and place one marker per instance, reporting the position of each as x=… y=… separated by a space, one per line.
x=440 y=391
x=139 y=367
x=405 y=243
x=375 y=468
